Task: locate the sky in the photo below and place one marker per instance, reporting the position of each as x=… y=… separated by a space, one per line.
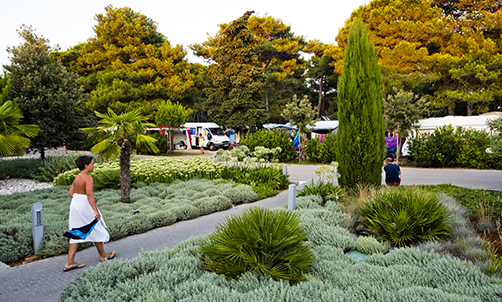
x=69 y=22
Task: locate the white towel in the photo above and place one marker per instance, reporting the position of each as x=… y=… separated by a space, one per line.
x=81 y=213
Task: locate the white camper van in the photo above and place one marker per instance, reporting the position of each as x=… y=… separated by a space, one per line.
x=214 y=136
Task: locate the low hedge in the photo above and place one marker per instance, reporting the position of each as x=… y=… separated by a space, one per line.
x=324 y=151
x=41 y=170
x=455 y=147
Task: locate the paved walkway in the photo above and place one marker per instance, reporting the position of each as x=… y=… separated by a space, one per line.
x=44 y=280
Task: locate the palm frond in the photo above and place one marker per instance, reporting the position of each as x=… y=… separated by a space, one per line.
x=107 y=148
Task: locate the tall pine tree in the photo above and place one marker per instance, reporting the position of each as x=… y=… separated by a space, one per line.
x=235 y=100
x=360 y=137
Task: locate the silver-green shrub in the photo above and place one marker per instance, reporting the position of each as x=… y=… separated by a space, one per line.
x=241 y=194
x=369 y=245
x=158 y=205
x=405 y=274
x=308 y=202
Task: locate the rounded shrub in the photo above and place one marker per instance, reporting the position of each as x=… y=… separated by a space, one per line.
x=437 y=149
x=322 y=151
x=473 y=146
x=405 y=218
x=271 y=242
x=271 y=139
x=369 y=245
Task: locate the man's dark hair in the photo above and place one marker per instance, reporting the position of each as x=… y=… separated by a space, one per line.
x=82 y=161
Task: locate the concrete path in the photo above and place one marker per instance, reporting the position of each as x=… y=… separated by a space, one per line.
x=44 y=280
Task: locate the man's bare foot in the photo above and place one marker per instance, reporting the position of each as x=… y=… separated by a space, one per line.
x=73 y=266
x=109 y=256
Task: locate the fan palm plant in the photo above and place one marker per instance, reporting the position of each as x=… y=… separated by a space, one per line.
x=270 y=242
x=14 y=137
x=117 y=135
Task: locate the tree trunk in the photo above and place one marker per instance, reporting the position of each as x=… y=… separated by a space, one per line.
x=170 y=140
x=42 y=153
x=320 y=99
x=323 y=102
x=266 y=99
x=125 y=171
x=451 y=109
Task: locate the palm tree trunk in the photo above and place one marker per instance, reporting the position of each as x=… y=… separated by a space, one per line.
x=42 y=153
x=125 y=171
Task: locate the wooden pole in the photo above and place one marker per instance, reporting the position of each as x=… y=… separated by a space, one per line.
x=299 y=145
x=398 y=145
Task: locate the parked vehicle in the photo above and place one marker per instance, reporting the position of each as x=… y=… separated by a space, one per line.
x=214 y=136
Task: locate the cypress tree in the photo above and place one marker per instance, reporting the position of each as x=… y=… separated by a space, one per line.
x=360 y=136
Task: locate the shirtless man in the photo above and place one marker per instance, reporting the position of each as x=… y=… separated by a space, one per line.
x=83 y=210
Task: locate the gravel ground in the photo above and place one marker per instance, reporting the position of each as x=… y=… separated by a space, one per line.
x=9 y=186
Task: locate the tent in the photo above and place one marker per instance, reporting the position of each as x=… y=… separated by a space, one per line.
x=271 y=126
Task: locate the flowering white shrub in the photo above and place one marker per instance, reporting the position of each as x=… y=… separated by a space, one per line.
x=158 y=169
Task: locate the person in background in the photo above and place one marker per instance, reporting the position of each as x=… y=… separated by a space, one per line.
x=201 y=143
x=392 y=173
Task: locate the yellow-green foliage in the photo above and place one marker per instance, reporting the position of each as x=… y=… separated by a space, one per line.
x=158 y=169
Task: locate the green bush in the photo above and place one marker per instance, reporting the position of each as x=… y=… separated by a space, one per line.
x=52 y=166
x=403 y=218
x=473 y=144
x=495 y=150
x=449 y=147
x=322 y=151
x=270 y=242
x=271 y=139
x=41 y=170
x=440 y=148
x=265 y=180
x=161 y=142
x=327 y=190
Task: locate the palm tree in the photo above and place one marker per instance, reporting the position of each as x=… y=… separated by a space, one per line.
x=14 y=137
x=117 y=135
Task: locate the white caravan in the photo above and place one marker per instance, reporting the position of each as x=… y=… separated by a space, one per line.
x=214 y=136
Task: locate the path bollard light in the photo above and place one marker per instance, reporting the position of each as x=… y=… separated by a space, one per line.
x=37 y=225
x=292 y=198
x=284 y=169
